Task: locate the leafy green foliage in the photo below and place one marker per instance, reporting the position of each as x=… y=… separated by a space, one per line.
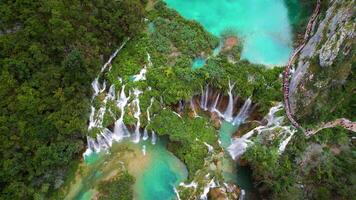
x=120 y=188
x=323 y=165
x=186 y=136
x=50 y=52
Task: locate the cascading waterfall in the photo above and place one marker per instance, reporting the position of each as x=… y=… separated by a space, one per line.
x=154 y=138
x=204 y=98
x=240 y=145
x=192 y=106
x=230 y=106
x=211 y=184
x=136 y=102
x=105 y=137
x=228 y=114
x=120 y=129
x=145 y=132
x=243 y=113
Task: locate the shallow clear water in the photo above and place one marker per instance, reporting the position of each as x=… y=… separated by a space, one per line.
x=156 y=173
x=232 y=172
x=198 y=63
x=226 y=131
x=163 y=173
x=263 y=25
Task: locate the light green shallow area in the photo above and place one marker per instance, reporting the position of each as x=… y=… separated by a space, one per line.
x=156 y=173
x=263 y=25
x=161 y=176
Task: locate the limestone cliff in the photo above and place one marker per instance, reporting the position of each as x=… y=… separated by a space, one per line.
x=323 y=83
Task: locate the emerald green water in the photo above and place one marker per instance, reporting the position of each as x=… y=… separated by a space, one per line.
x=263 y=25
x=156 y=173
x=164 y=172
x=232 y=172
x=198 y=63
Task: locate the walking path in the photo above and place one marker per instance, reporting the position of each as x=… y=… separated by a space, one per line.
x=286 y=74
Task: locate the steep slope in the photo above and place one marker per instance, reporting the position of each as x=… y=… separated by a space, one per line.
x=322 y=87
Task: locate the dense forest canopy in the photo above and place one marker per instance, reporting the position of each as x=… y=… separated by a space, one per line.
x=49 y=53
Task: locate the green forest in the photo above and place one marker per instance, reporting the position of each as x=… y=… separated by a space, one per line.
x=51 y=51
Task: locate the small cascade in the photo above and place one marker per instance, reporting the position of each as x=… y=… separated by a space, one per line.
x=144 y=150
x=240 y=145
x=210 y=148
x=120 y=129
x=204 y=98
x=242 y=195
x=150 y=64
x=180 y=106
x=96 y=86
x=113 y=56
x=243 y=113
x=177 y=193
x=145 y=134
x=228 y=114
x=154 y=138
x=136 y=101
x=230 y=106
x=141 y=76
x=111 y=94
x=211 y=184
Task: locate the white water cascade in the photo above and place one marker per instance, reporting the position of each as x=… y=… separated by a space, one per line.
x=137 y=113
x=120 y=129
x=145 y=132
x=105 y=137
x=228 y=114
x=243 y=113
x=240 y=145
x=230 y=106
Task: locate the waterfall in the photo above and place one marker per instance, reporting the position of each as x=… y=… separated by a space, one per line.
x=154 y=138
x=150 y=64
x=230 y=107
x=120 y=129
x=136 y=101
x=243 y=113
x=240 y=145
x=210 y=148
x=285 y=142
x=144 y=150
x=145 y=134
x=242 y=195
x=141 y=76
x=211 y=184
x=180 y=106
x=213 y=108
x=111 y=93
x=204 y=98
x=113 y=56
x=96 y=86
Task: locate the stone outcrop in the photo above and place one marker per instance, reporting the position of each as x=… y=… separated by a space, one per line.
x=325 y=61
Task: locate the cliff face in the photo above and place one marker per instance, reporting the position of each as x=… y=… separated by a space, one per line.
x=323 y=82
